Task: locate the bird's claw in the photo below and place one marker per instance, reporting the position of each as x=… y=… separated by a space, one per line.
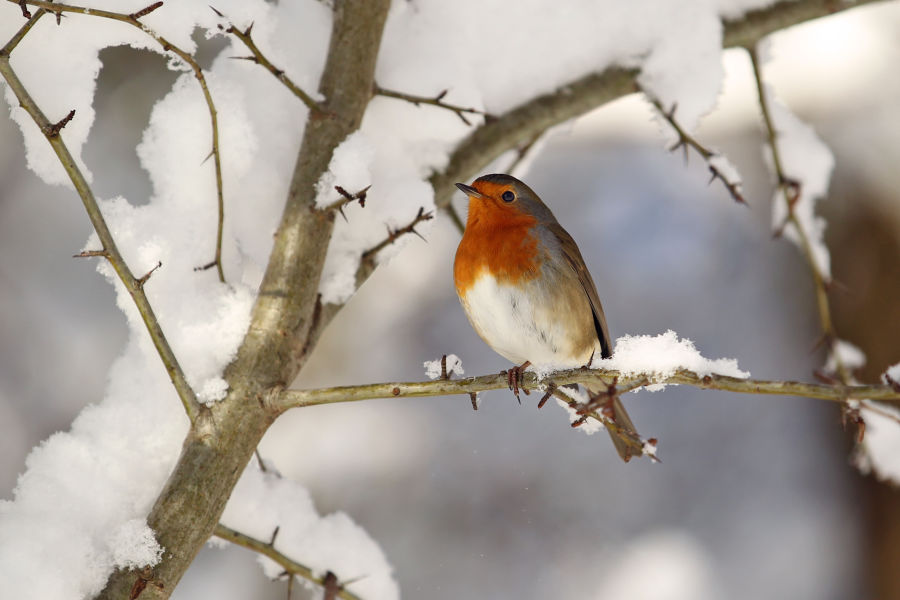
x=514 y=379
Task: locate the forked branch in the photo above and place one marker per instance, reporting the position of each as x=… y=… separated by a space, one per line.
x=134 y=285
x=133 y=19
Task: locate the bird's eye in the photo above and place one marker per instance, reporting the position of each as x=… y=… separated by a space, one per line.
x=508 y=196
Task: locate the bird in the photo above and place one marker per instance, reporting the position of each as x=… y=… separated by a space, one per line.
x=526 y=290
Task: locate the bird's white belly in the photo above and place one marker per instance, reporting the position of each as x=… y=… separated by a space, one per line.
x=519 y=323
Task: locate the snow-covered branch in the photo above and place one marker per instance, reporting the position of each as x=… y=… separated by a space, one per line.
x=110 y=251
x=291 y=567
x=134 y=19
x=515 y=128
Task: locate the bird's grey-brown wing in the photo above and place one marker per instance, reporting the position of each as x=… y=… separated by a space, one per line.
x=624 y=442
x=575 y=260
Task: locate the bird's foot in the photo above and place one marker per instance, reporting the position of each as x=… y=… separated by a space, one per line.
x=514 y=379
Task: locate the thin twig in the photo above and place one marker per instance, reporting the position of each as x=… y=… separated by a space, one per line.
x=290 y=566
x=110 y=251
x=348 y=198
x=287 y=399
x=791 y=192
x=259 y=58
x=393 y=234
x=436 y=100
x=20 y=34
x=686 y=140
x=133 y=19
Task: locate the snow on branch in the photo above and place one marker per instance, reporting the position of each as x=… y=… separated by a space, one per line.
x=133 y=19
x=276 y=518
x=288 y=399
x=110 y=251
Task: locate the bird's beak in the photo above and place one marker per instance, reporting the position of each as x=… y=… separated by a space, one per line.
x=468 y=190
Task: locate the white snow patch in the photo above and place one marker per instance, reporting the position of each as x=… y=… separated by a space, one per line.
x=662 y=355
x=350 y=168
x=806 y=160
x=893 y=373
x=850 y=356
x=880 y=449
x=133 y=545
x=263 y=501
x=454 y=367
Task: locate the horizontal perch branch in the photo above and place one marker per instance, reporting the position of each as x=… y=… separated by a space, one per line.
x=287 y=399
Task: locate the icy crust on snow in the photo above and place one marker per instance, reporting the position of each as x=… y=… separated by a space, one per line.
x=662 y=355
x=79 y=507
x=263 y=501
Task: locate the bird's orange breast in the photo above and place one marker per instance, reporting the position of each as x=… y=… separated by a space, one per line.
x=498 y=242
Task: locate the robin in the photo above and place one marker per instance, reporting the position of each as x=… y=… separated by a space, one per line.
x=525 y=288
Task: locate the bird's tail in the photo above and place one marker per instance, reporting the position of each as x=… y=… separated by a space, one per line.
x=623 y=439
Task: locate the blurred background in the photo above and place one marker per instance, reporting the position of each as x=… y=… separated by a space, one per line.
x=755 y=496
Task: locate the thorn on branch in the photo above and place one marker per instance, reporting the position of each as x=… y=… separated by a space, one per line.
x=145 y=11
x=53 y=130
x=685 y=140
x=579 y=422
x=23 y=4
x=791 y=188
x=259 y=58
x=827 y=378
x=331 y=586
x=473 y=396
x=274 y=535
x=550 y=390
x=347 y=198
x=207 y=266
x=437 y=100
x=143 y=279
x=393 y=234
x=853 y=415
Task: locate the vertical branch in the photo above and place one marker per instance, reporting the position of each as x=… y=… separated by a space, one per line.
x=790 y=192
x=219 y=446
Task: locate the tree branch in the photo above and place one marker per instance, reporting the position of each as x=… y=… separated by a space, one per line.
x=437 y=100
x=259 y=58
x=133 y=19
x=275 y=347
x=290 y=566
x=287 y=399
x=515 y=127
x=791 y=192
x=686 y=140
x=134 y=285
